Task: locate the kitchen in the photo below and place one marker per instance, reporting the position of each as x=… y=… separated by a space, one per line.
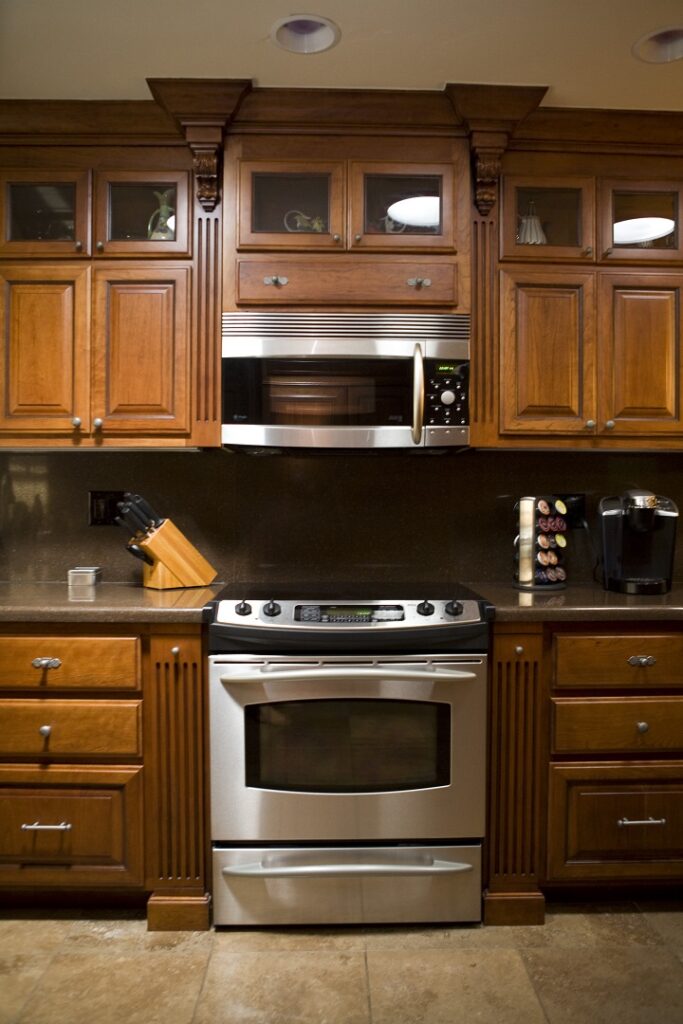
x=274 y=520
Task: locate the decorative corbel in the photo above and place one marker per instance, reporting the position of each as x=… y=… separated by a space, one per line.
x=491 y=113
x=202 y=109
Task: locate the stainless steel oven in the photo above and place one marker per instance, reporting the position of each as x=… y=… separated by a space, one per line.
x=336 y=775
x=345 y=380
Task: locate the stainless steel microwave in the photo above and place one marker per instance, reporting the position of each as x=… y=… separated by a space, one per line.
x=345 y=380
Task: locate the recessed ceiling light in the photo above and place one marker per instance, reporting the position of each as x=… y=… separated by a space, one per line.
x=661 y=46
x=305 y=33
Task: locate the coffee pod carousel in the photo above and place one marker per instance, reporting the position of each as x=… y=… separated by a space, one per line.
x=541 y=543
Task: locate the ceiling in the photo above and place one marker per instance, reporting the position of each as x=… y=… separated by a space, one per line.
x=106 y=49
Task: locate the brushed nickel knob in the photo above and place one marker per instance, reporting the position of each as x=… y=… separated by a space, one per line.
x=175 y=651
x=588 y=251
x=98 y=422
x=606 y=253
x=358 y=238
x=519 y=649
x=100 y=246
x=76 y=421
x=336 y=238
x=44 y=663
x=590 y=424
x=642 y=726
x=78 y=246
x=610 y=425
x=45 y=730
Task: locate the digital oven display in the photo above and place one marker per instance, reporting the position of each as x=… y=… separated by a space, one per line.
x=352 y=613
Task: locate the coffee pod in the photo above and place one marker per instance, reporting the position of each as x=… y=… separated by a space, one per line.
x=543 y=507
x=560 y=507
x=543 y=540
x=560 y=540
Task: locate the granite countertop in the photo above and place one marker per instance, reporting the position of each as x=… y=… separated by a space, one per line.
x=128 y=602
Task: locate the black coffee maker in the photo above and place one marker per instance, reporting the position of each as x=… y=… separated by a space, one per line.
x=638 y=542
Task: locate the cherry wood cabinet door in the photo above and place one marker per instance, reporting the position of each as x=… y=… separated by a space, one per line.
x=141 y=213
x=547 y=352
x=293 y=205
x=548 y=218
x=44 y=369
x=141 y=351
x=44 y=214
x=377 y=189
x=640 y=365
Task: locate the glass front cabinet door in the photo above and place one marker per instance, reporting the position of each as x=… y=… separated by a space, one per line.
x=640 y=221
x=401 y=206
x=290 y=205
x=126 y=213
x=548 y=219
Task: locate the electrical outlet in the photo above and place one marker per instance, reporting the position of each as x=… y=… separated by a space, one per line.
x=576 y=509
x=102 y=507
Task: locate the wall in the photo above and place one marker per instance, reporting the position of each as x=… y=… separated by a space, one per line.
x=379 y=517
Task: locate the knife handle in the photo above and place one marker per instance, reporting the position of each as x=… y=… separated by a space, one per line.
x=137 y=552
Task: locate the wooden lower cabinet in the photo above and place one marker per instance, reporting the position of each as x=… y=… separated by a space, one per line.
x=102 y=773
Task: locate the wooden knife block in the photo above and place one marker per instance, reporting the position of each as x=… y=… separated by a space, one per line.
x=177 y=563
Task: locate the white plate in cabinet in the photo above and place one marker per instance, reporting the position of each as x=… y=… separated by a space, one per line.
x=319 y=282
x=605 y=725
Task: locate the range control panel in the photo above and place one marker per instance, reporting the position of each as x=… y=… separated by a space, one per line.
x=342 y=615
x=446 y=388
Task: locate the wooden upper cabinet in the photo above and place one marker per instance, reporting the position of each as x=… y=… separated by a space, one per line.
x=45 y=369
x=340 y=205
x=640 y=221
x=548 y=219
x=141 y=355
x=133 y=213
x=641 y=358
x=547 y=358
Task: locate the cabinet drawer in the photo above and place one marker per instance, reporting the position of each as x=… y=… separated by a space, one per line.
x=636 y=661
x=71 y=826
x=335 y=281
x=608 y=724
x=615 y=822
x=73 y=728
x=100 y=662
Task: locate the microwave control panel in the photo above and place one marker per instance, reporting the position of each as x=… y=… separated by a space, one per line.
x=446 y=393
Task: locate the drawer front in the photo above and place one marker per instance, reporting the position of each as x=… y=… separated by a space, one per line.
x=363 y=281
x=628 y=662
x=70 y=728
x=610 y=724
x=80 y=661
x=615 y=822
x=71 y=827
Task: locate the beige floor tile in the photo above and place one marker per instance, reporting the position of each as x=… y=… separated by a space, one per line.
x=18 y=977
x=252 y=940
x=106 y=933
x=106 y=988
x=459 y=987
x=579 y=925
x=284 y=988
x=33 y=933
x=667 y=919
x=417 y=938
x=615 y=985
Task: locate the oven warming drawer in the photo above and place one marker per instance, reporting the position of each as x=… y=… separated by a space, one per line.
x=346 y=885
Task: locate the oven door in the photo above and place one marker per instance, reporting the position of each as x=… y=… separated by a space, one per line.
x=347 y=749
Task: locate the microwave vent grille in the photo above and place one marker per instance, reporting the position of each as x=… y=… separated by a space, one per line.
x=432 y=327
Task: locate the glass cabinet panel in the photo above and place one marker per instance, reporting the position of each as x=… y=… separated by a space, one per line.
x=288 y=205
x=44 y=213
x=548 y=218
x=640 y=220
x=402 y=206
x=144 y=212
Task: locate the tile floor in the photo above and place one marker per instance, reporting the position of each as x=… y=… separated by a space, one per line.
x=619 y=963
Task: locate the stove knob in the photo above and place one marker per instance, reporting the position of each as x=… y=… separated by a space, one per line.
x=243 y=608
x=454 y=608
x=271 y=609
x=425 y=608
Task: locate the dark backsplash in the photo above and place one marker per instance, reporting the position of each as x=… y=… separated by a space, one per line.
x=312 y=516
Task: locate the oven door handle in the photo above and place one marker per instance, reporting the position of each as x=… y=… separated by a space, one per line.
x=260 y=869
x=339 y=675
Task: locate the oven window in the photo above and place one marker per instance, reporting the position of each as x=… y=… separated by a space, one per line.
x=347 y=746
x=318 y=392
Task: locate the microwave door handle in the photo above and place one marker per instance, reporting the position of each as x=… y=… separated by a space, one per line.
x=344 y=674
x=418 y=394
x=261 y=869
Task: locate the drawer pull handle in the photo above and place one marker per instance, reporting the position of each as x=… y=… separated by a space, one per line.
x=276 y=280
x=45 y=730
x=642 y=726
x=419 y=282
x=642 y=660
x=44 y=663
x=648 y=821
x=64 y=826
